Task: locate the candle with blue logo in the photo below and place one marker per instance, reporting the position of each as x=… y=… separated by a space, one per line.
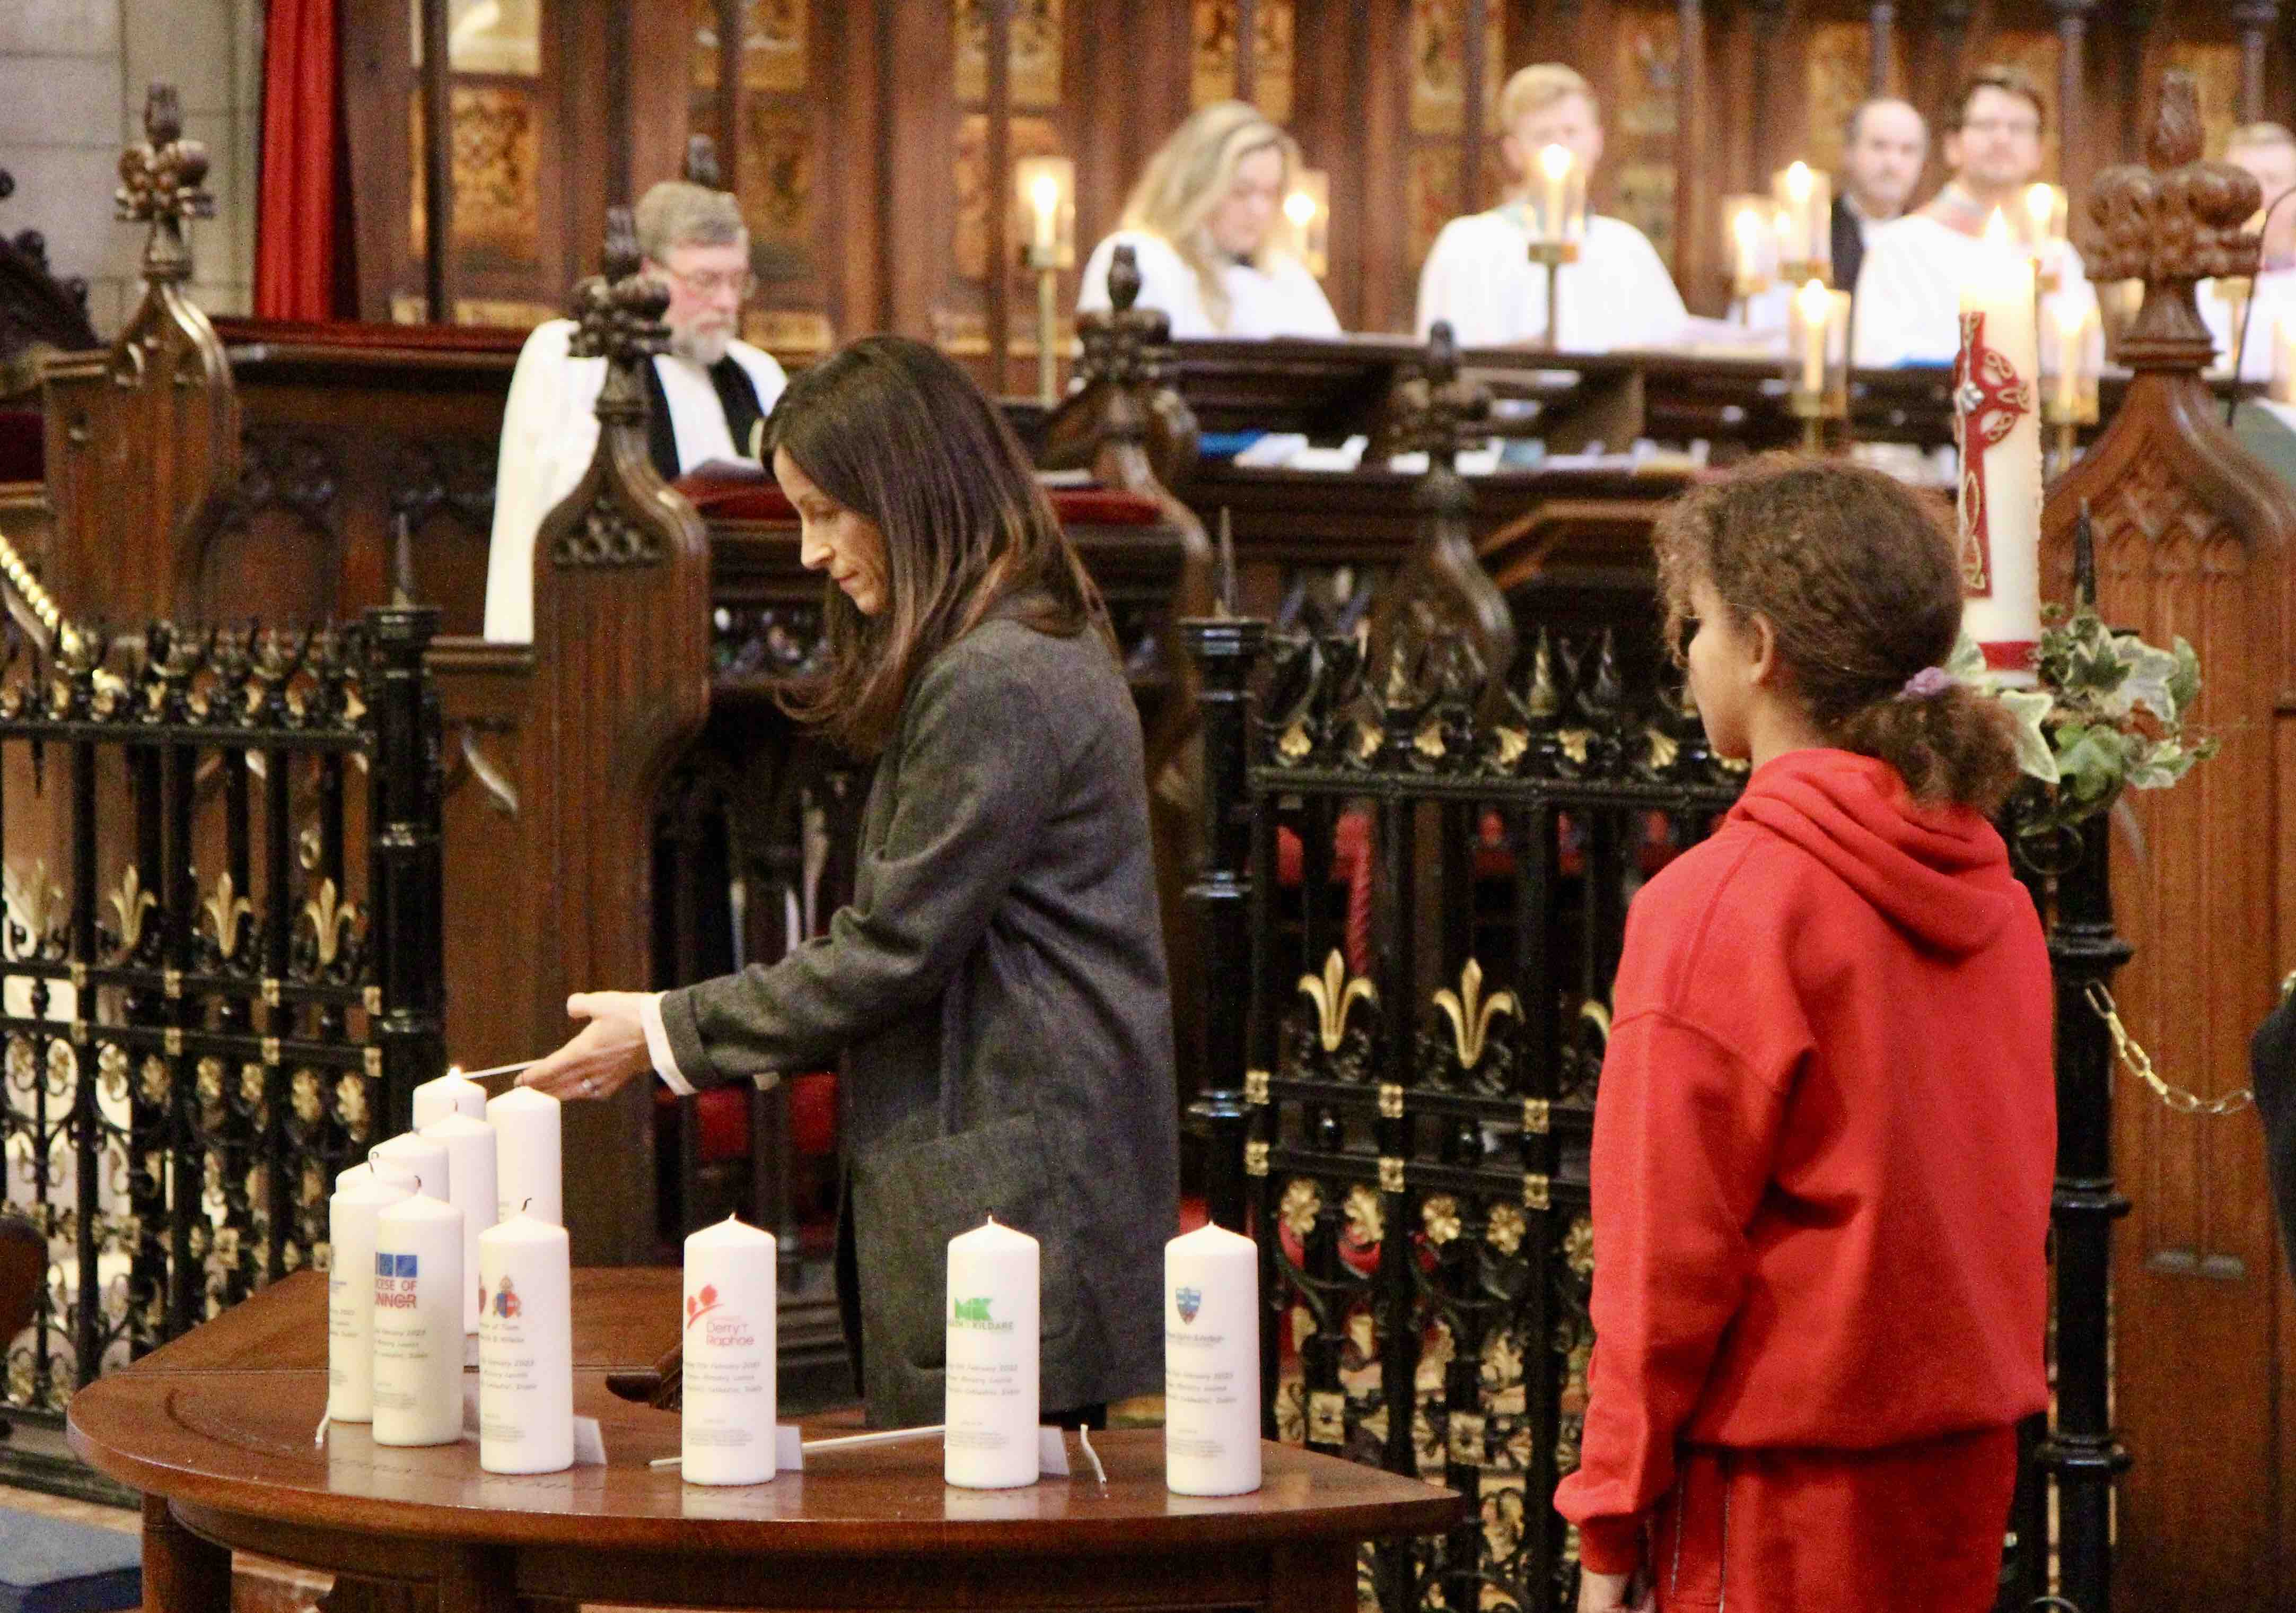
x=1211 y=1363
x=990 y=1442
x=418 y=1322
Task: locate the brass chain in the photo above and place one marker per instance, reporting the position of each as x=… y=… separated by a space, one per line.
x=2140 y=1063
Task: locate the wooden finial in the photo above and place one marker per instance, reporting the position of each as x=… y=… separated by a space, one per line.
x=1123 y=279
x=161 y=183
x=621 y=257
x=701 y=161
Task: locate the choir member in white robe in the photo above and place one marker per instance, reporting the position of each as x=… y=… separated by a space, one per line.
x=1480 y=276
x=1207 y=227
x=708 y=392
x=1908 y=297
x=2268 y=151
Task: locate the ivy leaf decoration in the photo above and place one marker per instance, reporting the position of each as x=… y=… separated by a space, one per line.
x=2031 y=708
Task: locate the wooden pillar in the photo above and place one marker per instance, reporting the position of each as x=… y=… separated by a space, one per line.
x=1882 y=47
x=437 y=169
x=2076 y=162
x=1471 y=112
x=729 y=94
x=2135 y=18
x=1952 y=22
x=999 y=189
x=1247 y=51
x=1769 y=18
x=1694 y=169
x=2256 y=19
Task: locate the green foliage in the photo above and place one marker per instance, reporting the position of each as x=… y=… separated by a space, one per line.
x=2108 y=714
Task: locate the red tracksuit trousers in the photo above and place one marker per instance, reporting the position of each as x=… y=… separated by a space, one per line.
x=1912 y=1528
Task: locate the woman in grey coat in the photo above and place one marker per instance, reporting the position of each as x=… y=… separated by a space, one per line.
x=995 y=993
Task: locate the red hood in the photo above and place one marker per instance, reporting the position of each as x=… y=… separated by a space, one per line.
x=1940 y=872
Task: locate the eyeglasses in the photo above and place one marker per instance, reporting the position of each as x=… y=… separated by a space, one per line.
x=2028 y=126
x=712 y=283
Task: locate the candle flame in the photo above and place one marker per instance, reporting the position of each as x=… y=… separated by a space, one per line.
x=1996 y=231
x=2073 y=320
x=1746 y=223
x=1299 y=208
x=1046 y=194
x=1817 y=303
x=1556 y=162
x=2040 y=204
x=1798 y=182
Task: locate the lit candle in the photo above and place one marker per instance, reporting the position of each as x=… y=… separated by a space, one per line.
x=2284 y=361
x=1555 y=163
x=451 y=1093
x=470 y=1146
x=528 y=1152
x=1997 y=424
x=1746 y=245
x=418 y=1322
x=2071 y=325
x=351 y=1217
x=1804 y=200
x=1211 y=1363
x=726 y=1429
x=2044 y=231
x=1044 y=195
x=991 y=1383
x=1813 y=310
x=420 y=1157
x=525 y=1348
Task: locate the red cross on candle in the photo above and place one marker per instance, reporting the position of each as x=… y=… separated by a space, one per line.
x=1989 y=398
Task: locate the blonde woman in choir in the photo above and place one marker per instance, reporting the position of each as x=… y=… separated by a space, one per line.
x=994 y=994
x=1480 y=276
x=1206 y=225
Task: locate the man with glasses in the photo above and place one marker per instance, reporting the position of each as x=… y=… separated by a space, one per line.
x=1909 y=286
x=708 y=394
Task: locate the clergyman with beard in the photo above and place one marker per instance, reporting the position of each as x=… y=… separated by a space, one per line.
x=708 y=392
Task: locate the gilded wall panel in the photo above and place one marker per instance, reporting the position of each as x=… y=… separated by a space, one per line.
x=1439 y=65
x=1214 y=33
x=1033 y=52
x=2217 y=68
x=1648 y=74
x=975 y=193
x=777 y=184
x=1645 y=200
x=2034 y=53
x=1834 y=81
x=1431 y=196
x=772 y=44
x=501 y=37
x=494 y=164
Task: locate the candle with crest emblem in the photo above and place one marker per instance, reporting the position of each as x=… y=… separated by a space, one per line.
x=525 y=1348
x=990 y=1386
x=726 y=1429
x=1211 y=1363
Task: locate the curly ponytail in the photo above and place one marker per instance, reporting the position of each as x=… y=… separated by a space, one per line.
x=1855 y=575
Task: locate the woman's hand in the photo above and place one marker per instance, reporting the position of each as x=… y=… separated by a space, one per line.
x=602 y=1055
x=1609 y=1594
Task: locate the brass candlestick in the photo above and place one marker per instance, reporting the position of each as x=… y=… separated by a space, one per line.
x=1552 y=255
x=1045 y=261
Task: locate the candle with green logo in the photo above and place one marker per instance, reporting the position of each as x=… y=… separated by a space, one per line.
x=990 y=1443
x=1211 y=1363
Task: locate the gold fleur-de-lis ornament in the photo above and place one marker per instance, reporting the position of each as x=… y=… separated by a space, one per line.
x=1333 y=993
x=1471 y=1013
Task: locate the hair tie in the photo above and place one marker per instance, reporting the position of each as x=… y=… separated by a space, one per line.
x=1927 y=684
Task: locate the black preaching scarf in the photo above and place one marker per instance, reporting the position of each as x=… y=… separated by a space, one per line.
x=737 y=395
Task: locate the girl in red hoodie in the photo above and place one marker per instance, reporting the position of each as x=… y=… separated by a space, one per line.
x=1825 y=1138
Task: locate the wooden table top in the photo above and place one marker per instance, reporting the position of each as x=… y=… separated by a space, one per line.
x=223 y=1417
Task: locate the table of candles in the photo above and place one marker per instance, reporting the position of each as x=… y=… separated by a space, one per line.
x=443 y=1443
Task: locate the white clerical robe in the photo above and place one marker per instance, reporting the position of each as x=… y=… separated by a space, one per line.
x=2275 y=305
x=1282 y=299
x=550 y=431
x=1908 y=305
x=1618 y=295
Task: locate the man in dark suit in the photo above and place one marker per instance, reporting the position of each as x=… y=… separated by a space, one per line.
x=1882 y=150
x=2272 y=1062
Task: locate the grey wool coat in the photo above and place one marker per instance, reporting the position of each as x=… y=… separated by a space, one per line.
x=996 y=992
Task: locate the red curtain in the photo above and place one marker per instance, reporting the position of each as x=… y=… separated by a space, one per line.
x=304 y=267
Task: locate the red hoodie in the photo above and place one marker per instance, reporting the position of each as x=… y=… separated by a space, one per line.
x=1823 y=1144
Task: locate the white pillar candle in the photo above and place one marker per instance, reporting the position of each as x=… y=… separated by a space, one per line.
x=418 y=1323
x=991 y=1384
x=470 y=1146
x=525 y=1348
x=351 y=1215
x=451 y=1094
x=1211 y=1363
x=732 y=1270
x=418 y=1157
x=1998 y=422
x=354 y=1175
x=527 y=1155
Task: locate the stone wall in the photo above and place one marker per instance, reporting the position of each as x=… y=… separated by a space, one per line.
x=72 y=80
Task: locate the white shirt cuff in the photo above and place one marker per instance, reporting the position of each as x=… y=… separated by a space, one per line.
x=665 y=1062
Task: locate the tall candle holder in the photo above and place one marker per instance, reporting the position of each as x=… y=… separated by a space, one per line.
x=1804 y=197
x=1044 y=189
x=2069 y=350
x=2042 y=219
x=1817 y=361
x=1559 y=227
x=1309 y=211
x=1749 y=243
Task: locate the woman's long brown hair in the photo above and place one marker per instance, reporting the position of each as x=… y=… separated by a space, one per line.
x=895 y=432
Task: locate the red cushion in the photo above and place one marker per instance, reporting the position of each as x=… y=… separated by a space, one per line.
x=813 y=1116
x=723 y=1116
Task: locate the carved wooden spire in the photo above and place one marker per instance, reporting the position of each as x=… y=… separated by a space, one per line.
x=161 y=183
x=2170 y=222
x=1121 y=405
x=701 y=161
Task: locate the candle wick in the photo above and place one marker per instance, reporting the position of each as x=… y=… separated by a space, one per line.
x=524 y=1202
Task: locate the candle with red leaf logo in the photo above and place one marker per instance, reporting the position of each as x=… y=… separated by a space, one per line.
x=525 y=1348
x=731 y=1278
